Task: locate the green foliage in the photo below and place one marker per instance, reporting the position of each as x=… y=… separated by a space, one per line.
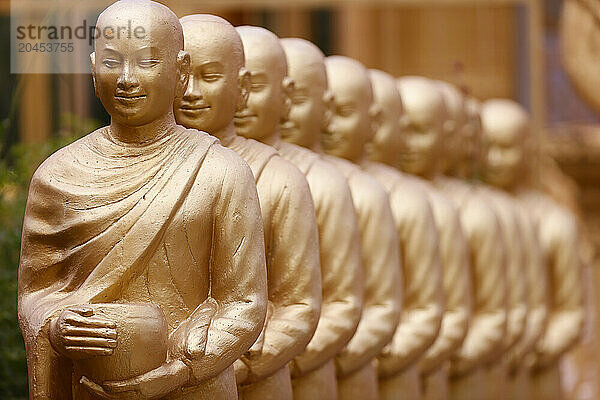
x=15 y=173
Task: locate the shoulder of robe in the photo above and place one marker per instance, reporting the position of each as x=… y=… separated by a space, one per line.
x=442 y=206
x=324 y=177
x=410 y=197
x=220 y=160
x=60 y=161
x=477 y=213
x=284 y=176
x=558 y=221
x=370 y=192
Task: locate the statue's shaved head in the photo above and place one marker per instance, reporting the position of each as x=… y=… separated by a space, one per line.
x=262 y=46
x=204 y=30
x=304 y=59
x=346 y=75
x=504 y=115
x=385 y=92
x=420 y=97
x=158 y=21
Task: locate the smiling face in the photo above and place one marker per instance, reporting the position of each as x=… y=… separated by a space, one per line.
x=455 y=159
x=505 y=133
x=265 y=59
x=388 y=142
x=307 y=116
x=351 y=124
x=213 y=91
x=136 y=78
x=423 y=134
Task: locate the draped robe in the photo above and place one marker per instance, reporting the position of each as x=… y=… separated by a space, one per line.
x=313 y=371
x=293 y=270
x=175 y=222
x=458 y=296
x=558 y=235
x=472 y=366
x=357 y=373
x=423 y=304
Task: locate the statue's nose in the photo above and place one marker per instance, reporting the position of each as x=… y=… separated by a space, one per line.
x=128 y=79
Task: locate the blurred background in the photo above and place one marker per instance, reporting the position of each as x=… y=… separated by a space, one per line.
x=490 y=48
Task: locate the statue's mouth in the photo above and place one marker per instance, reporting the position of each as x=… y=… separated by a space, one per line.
x=193 y=109
x=129 y=98
x=241 y=119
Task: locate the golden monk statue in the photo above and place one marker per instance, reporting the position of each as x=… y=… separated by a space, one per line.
x=526 y=272
x=465 y=156
x=219 y=86
x=313 y=371
x=397 y=144
x=426 y=111
x=423 y=301
x=508 y=147
x=356 y=370
x=142 y=270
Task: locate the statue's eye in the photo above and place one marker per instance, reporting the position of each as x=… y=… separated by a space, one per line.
x=148 y=62
x=111 y=63
x=257 y=87
x=211 y=76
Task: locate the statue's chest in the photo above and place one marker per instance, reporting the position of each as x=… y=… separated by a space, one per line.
x=177 y=275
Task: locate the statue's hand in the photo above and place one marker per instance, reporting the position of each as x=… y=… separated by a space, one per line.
x=77 y=333
x=153 y=384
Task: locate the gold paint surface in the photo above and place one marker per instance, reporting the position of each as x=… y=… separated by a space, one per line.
x=142 y=233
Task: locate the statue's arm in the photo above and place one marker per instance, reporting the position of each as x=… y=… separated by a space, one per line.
x=537 y=290
x=457 y=293
x=561 y=243
x=238 y=285
x=423 y=306
x=341 y=270
x=294 y=275
x=383 y=277
x=485 y=338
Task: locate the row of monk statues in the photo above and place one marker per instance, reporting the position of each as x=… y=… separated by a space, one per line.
x=260 y=221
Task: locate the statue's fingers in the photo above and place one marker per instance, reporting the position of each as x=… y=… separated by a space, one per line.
x=91 y=322
x=107 y=333
x=83 y=309
x=90 y=351
x=95 y=389
x=127 y=385
x=87 y=341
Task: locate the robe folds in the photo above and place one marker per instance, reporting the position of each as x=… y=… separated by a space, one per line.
x=293 y=270
x=423 y=305
x=356 y=367
x=175 y=222
x=313 y=371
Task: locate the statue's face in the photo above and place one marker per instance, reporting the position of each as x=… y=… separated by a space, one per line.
x=261 y=117
x=503 y=153
x=423 y=133
x=470 y=134
x=136 y=78
x=422 y=139
x=308 y=107
x=388 y=141
x=351 y=125
x=210 y=100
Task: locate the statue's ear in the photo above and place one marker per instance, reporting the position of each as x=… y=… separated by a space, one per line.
x=244 y=84
x=183 y=69
x=93 y=66
x=376 y=115
x=288 y=86
x=329 y=102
